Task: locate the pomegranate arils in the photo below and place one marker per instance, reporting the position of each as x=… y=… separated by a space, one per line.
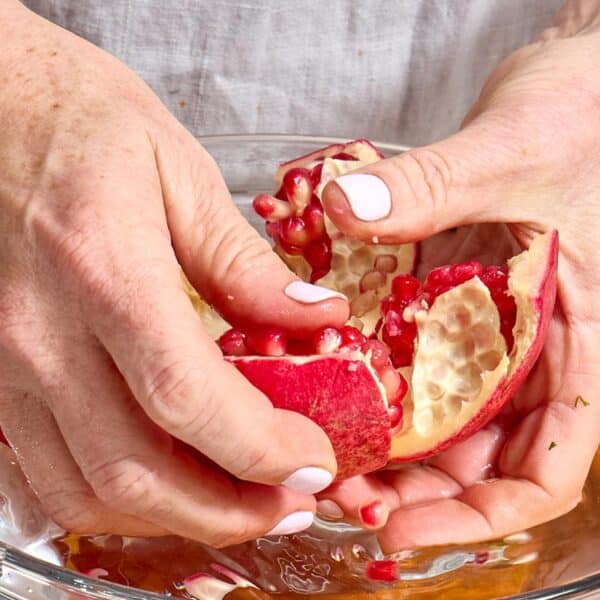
x=380 y=353
x=352 y=337
x=327 y=340
x=233 y=343
x=381 y=570
x=399 y=334
x=371 y=514
x=294 y=232
x=405 y=288
x=269 y=207
x=315 y=174
x=298 y=188
x=314 y=220
x=267 y=342
x=295 y=219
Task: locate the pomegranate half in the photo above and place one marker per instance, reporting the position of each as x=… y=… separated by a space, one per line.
x=420 y=365
x=314 y=248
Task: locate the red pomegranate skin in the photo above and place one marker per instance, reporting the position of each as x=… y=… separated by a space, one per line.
x=339 y=394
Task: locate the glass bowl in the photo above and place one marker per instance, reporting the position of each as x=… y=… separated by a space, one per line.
x=557 y=560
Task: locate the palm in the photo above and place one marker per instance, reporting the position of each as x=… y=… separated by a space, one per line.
x=528 y=458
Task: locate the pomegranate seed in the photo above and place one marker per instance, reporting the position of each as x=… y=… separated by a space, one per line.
x=315 y=223
x=395 y=412
x=402 y=389
x=267 y=342
x=233 y=343
x=315 y=174
x=293 y=232
x=343 y=156
x=380 y=353
x=481 y=558
x=316 y=274
x=298 y=188
x=273 y=229
x=327 y=340
x=318 y=255
x=372 y=513
x=381 y=570
x=405 y=287
x=269 y=207
x=390 y=380
x=289 y=248
x=351 y=335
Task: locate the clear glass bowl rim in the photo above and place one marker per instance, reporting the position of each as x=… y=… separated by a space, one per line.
x=41 y=572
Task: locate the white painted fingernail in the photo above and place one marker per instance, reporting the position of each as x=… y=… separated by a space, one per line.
x=298 y=521
x=309 y=480
x=307 y=293
x=328 y=509
x=368 y=196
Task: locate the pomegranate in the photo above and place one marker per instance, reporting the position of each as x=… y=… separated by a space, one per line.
x=453 y=351
x=422 y=365
x=310 y=243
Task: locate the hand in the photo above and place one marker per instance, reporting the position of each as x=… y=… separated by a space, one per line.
x=528 y=155
x=105 y=368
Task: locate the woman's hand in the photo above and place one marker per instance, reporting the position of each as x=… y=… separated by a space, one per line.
x=104 y=365
x=528 y=155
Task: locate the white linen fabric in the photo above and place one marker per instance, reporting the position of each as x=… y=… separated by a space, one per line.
x=393 y=70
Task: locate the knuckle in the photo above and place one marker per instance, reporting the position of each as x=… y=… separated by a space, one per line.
x=170 y=397
x=234 y=531
x=434 y=175
x=250 y=460
x=243 y=255
x=74 y=511
x=125 y=483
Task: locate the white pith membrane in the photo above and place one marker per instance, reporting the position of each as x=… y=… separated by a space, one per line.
x=459 y=360
x=460 y=357
x=352 y=259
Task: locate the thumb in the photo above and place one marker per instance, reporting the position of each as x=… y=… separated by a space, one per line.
x=482 y=174
x=229 y=263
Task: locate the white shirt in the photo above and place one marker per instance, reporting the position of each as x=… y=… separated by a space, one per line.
x=392 y=70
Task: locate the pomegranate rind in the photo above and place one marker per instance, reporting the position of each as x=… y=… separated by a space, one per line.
x=362 y=149
x=532 y=282
x=339 y=393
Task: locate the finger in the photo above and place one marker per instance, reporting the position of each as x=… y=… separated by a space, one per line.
x=134 y=467
x=224 y=257
x=413 y=484
x=542 y=475
x=55 y=477
x=363 y=500
x=137 y=306
x=474 y=459
x=475 y=176
x=444 y=476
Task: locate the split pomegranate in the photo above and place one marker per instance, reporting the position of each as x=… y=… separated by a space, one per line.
x=312 y=246
x=453 y=351
x=428 y=363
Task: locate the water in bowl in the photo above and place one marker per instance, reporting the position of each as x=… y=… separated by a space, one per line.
x=335 y=562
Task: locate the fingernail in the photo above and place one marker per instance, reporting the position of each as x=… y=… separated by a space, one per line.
x=368 y=196
x=373 y=514
x=309 y=480
x=307 y=293
x=328 y=509
x=298 y=521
